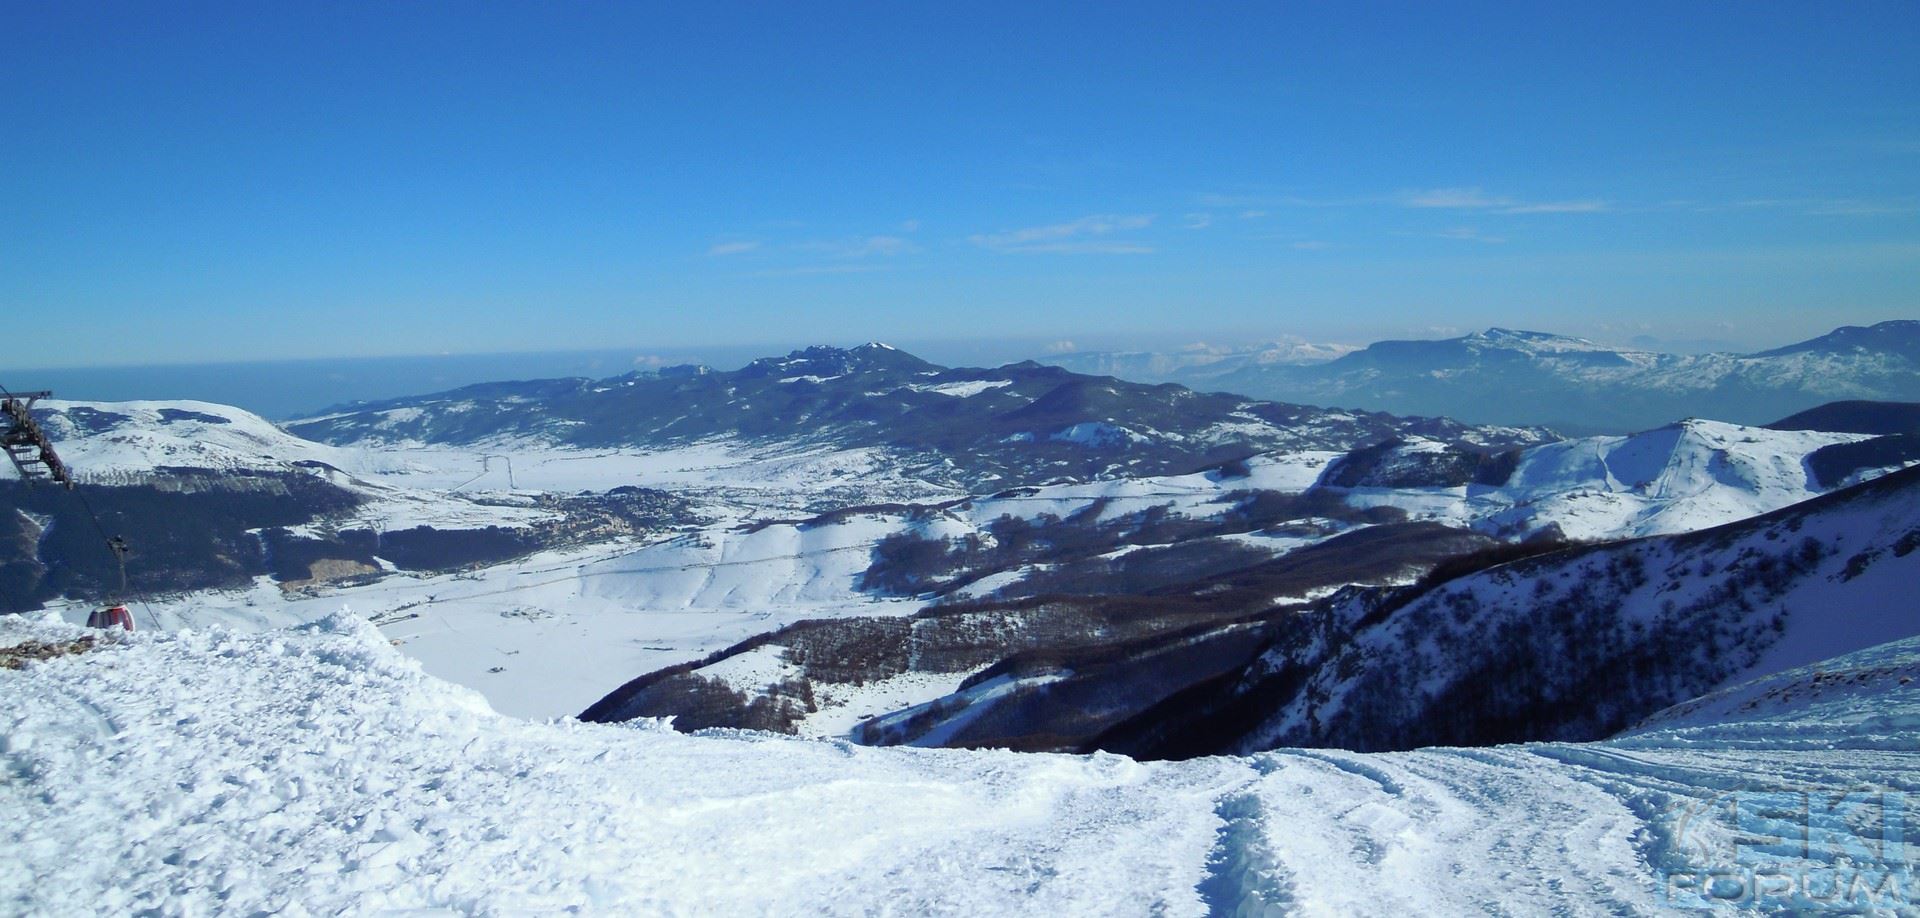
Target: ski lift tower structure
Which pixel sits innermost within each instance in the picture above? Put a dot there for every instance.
(26, 444)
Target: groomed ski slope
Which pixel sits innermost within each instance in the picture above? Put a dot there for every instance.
(318, 771)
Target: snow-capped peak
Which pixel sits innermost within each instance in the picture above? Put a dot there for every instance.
(1534, 342)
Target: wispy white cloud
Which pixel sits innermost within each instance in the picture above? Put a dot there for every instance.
(1257, 204)
(1090, 247)
(859, 247)
(1080, 236)
(1585, 206)
(1455, 198)
(1842, 207)
(839, 268)
(1812, 207)
(1479, 199)
(1198, 221)
(1469, 234)
(731, 248)
(1462, 197)
(1859, 208)
(1062, 347)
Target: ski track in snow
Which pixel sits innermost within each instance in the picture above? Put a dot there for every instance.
(317, 771)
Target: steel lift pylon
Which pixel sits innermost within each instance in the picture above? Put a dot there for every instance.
(26, 444)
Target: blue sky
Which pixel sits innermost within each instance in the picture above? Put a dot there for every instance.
(205, 182)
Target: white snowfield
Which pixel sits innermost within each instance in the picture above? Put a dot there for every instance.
(726, 479)
(1683, 477)
(549, 635)
(112, 442)
(318, 771)
(99, 438)
(772, 565)
(108, 443)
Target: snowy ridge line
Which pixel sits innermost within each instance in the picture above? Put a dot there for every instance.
(153, 770)
(1513, 376)
(1814, 580)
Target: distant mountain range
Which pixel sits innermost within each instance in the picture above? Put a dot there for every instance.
(1200, 361)
(1505, 376)
(1019, 424)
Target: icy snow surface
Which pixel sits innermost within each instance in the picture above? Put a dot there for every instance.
(316, 770)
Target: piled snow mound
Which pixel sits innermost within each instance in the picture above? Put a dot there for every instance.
(317, 771)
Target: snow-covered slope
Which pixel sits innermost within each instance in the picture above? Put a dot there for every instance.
(119, 442)
(103, 441)
(780, 564)
(316, 771)
(133, 443)
(1575, 643)
(1570, 644)
(1679, 478)
(1865, 699)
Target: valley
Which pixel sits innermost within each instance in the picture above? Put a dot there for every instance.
(830, 587)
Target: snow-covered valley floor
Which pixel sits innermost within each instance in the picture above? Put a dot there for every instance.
(543, 636)
(317, 770)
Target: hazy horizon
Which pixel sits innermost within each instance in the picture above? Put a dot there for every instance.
(295, 387)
